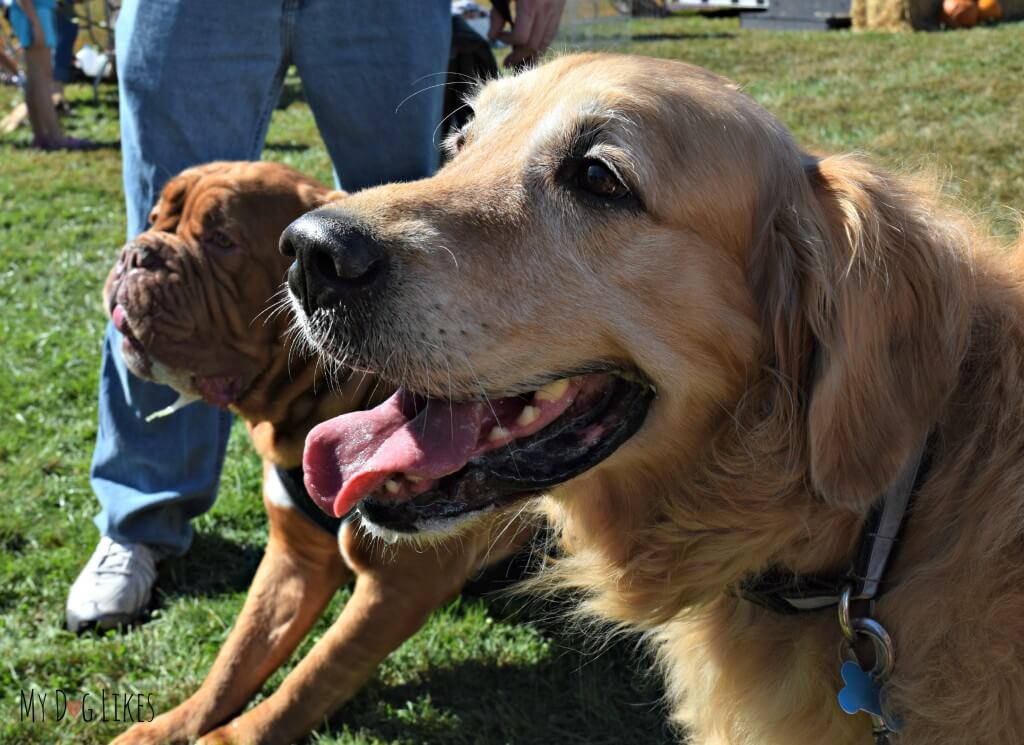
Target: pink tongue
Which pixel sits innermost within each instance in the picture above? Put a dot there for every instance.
(351, 456)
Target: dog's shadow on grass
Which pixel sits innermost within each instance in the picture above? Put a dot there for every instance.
(214, 565)
(93, 145)
(576, 695)
(712, 35)
(286, 147)
(571, 699)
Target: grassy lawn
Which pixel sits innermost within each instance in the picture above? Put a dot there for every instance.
(480, 672)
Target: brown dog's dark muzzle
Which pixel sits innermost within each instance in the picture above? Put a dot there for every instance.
(141, 255)
(337, 263)
(136, 255)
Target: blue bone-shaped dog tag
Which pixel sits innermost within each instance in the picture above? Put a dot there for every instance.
(862, 693)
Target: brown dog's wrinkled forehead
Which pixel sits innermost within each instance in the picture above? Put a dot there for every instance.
(214, 192)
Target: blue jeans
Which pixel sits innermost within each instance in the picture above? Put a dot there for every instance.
(198, 82)
(64, 51)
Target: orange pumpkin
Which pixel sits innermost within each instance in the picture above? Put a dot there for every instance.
(989, 10)
(959, 13)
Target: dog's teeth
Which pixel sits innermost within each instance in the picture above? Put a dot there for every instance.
(498, 433)
(413, 479)
(552, 391)
(392, 486)
(527, 416)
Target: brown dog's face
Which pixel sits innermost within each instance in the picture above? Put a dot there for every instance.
(186, 293)
(568, 296)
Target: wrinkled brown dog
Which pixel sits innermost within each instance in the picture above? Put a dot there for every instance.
(716, 353)
(191, 296)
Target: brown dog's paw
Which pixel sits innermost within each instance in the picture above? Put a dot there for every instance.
(175, 727)
(229, 734)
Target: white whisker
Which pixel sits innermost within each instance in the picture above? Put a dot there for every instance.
(472, 371)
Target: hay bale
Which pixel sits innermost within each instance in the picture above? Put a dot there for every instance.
(895, 15)
(859, 14)
(890, 15)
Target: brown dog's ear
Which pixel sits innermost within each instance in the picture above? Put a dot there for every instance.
(881, 296)
(314, 195)
(167, 210)
(332, 196)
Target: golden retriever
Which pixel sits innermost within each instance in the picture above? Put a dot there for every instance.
(632, 292)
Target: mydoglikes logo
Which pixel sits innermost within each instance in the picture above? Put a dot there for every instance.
(56, 705)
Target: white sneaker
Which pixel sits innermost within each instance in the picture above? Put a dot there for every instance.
(114, 586)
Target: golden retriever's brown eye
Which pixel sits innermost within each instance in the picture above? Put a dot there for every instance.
(597, 178)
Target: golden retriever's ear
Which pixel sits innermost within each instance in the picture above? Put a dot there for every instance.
(883, 291)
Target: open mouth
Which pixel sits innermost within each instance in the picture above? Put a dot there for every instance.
(414, 461)
(131, 348)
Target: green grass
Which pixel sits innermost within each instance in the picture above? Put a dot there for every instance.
(478, 673)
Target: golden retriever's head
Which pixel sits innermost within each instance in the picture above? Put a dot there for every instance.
(621, 255)
(186, 293)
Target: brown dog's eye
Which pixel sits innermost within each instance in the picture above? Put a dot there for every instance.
(597, 178)
(221, 240)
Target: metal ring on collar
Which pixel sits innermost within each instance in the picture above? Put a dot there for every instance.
(885, 653)
(844, 613)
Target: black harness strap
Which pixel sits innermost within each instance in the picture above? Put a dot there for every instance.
(293, 484)
(788, 593)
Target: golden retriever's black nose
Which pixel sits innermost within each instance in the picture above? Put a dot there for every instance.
(336, 262)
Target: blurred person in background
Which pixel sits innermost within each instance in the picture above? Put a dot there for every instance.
(64, 50)
(35, 23)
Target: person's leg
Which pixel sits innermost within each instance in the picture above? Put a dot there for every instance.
(373, 74)
(42, 115)
(189, 93)
(35, 29)
(152, 478)
(64, 51)
(198, 81)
